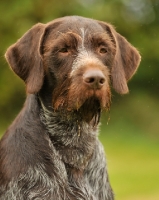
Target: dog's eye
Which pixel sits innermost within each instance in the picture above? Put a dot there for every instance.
(102, 50)
(64, 50)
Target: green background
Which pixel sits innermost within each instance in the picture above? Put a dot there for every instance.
(131, 138)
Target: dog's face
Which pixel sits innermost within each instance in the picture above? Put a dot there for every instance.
(78, 58)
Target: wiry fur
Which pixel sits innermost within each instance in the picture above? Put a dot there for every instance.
(51, 151)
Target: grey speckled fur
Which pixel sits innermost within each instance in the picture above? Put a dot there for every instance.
(95, 182)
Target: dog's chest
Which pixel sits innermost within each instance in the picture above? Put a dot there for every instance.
(72, 138)
(75, 146)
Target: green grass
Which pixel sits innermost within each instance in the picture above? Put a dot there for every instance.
(133, 167)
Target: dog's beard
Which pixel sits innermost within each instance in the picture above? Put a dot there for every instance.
(90, 110)
(90, 107)
(88, 103)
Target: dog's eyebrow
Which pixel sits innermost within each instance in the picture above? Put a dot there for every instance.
(70, 32)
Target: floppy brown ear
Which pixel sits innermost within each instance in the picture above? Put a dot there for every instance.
(25, 60)
(126, 62)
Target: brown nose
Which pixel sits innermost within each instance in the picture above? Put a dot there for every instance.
(94, 78)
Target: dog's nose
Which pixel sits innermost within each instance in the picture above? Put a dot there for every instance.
(94, 79)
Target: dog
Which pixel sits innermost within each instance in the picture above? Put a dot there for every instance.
(51, 150)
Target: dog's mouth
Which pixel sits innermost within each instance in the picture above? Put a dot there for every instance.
(88, 108)
(90, 100)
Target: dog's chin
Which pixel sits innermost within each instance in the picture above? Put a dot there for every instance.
(89, 109)
(94, 100)
(87, 106)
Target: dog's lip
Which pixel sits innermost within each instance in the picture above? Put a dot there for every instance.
(90, 102)
(90, 99)
(90, 111)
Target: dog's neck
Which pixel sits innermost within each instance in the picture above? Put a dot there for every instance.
(66, 118)
(67, 132)
(49, 117)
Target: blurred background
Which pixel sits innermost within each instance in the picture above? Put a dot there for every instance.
(131, 136)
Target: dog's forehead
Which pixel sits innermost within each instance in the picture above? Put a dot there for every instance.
(79, 25)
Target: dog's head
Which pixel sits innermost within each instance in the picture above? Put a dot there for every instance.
(77, 59)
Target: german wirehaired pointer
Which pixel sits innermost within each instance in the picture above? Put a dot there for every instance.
(51, 151)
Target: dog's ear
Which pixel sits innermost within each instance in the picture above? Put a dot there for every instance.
(126, 60)
(25, 59)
